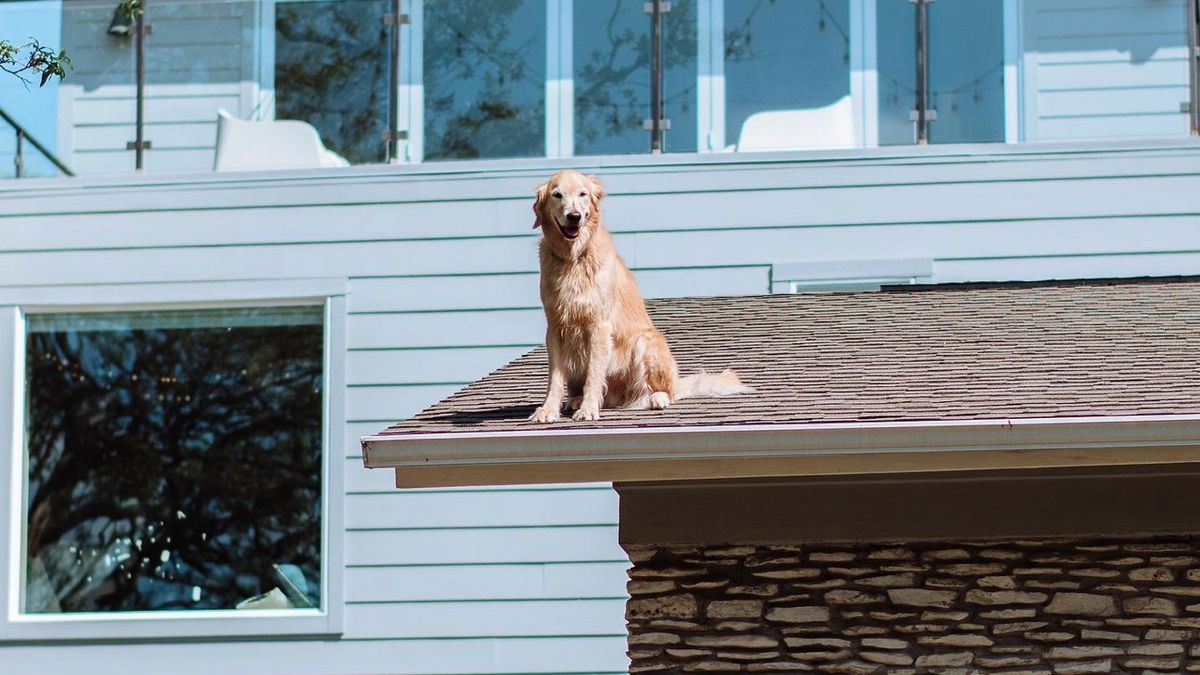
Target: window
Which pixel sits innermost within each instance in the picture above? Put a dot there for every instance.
(484, 78)
(174, 470)
(790, 60)
(331, 70)
(612, 57)
(174, 460)
(963, 45)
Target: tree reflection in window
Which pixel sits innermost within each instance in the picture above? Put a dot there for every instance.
(612, 76)
(174, 458)
(484, 78)
(331, 70)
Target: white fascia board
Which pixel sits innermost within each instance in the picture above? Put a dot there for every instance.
(606, 454)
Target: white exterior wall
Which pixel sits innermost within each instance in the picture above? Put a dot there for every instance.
(440, 266)
(1104, 69)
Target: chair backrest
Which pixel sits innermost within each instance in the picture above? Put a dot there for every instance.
(279, 144)
(831, 126)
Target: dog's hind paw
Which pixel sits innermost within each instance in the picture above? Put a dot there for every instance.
(544, 415)
(659, 400)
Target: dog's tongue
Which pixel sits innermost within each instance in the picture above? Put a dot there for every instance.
(571, 230)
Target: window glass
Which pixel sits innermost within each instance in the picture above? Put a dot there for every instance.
(331, 70)
(791, 57)
(966, 71)
(896, 65)
(484, 77)
(612, 76)
(174, 460)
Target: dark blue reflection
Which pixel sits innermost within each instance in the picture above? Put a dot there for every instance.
(331, 70)
(484, 78)
(172, 468)
(612, 76)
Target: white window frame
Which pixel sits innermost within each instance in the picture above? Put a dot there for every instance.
(16, 303)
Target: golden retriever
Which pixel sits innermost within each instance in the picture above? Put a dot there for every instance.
(604, 351)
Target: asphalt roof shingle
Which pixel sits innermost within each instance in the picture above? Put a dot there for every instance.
(950, 352)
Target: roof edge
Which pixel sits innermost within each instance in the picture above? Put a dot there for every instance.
(735, 451)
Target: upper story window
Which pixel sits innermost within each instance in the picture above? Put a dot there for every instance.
(174, 460)
(428, 80)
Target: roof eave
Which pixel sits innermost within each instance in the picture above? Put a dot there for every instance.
(763, 450)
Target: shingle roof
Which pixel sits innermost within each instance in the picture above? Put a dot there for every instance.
(949, 352)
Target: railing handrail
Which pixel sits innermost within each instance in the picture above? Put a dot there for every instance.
(23, 132)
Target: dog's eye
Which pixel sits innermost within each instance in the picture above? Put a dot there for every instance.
(582, 194)
(558, 195)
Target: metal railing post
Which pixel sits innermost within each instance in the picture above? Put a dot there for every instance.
(658, 122)
(18, 157)
(393, 135)
(1193, 19)
(140, 138)
(923, 114)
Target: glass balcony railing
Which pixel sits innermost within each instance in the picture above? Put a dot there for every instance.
(308, 83)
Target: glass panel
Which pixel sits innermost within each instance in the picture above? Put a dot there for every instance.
(966, 71)
(896, 64)
(331, 70)
(612, 76)
(33, 107)
(174, 460)
(789, 56)
(484, 78)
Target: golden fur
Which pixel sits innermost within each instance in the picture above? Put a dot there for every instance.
(604, 350)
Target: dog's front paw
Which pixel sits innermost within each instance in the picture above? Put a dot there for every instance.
(544, 415)
(659, 400)
(588, 412)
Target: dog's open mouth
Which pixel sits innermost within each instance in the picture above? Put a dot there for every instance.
(570, 230)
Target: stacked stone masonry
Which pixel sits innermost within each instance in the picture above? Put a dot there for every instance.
(1130, 606)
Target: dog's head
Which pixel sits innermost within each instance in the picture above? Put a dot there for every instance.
(567, 209)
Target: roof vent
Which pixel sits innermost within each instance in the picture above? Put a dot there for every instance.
(827, 276)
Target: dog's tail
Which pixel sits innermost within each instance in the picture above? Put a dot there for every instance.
(702, 384)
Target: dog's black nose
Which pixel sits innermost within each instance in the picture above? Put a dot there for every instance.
(574, 216)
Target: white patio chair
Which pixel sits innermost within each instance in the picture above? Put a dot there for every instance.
(279, 144)
(830, 126)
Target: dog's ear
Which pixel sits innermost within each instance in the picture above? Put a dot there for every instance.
(597, 188)
(538, 202)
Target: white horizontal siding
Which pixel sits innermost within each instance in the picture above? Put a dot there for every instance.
(440, 268)
(484, 545)
(478, 656)
(1105, 70)
(488, 508)
(471, 582)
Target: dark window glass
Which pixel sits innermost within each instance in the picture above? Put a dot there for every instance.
(484, 78)
(612, 76)
(789, 56)
(331, 70)
(174, 460)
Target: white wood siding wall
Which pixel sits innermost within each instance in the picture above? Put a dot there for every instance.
(1112, 69)
(440, 262)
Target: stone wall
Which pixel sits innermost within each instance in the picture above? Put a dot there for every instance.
(1010, 607)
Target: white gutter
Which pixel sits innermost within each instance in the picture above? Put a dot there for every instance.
(725, 451)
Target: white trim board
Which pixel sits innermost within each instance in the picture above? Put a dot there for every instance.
(746, 450)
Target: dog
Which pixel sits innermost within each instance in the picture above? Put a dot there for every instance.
(604, 350)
